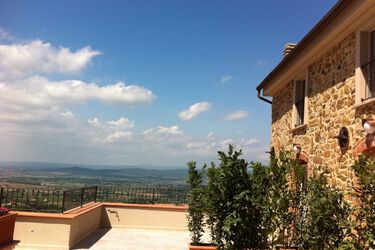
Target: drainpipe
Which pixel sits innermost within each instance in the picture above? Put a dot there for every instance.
(262, 98)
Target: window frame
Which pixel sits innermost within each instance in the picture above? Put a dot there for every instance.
(295, 116)
(364, 57)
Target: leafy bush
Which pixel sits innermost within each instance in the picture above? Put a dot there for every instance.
(364, 169)
(236, 217)
(252, 206)
(327, 221)
(196, 203)
(277, 190)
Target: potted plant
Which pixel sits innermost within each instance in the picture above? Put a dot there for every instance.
(226, 201)
(196, 210)
(7, 222)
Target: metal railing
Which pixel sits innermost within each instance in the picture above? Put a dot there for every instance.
(369, 74)
(143, 194)
(57, 201)
(26, 199)
(78, 197)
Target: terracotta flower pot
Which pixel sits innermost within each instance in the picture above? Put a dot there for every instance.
(202, 247)
(7, 223)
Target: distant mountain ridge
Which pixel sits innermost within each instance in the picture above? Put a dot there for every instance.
(41, 165)
(77, 175)
(126, 172)
(85, 170)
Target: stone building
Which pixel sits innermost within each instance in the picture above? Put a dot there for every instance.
(323, 90)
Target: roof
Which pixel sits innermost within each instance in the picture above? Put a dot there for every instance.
(313, 34)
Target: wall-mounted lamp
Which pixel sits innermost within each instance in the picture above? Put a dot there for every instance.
(296, 148)
(368, 126)
(271, 152)
(343, 137)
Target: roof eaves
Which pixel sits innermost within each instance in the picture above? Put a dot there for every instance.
(310, 36)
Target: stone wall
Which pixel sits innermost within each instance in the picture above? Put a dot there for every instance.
(331, 97)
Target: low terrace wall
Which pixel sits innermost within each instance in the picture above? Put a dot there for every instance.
(44, 231)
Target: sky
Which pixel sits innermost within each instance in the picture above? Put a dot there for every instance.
(156, 83)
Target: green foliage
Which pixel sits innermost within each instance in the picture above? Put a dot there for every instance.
(196, 203)
(236, 217)
(272, 194)
(327, 221)
(214, 206)
(364, 169)
(251, 206)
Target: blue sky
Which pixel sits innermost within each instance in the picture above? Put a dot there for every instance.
(141, 82)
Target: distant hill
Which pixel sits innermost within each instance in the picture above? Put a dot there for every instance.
(126, 172)
(73, 175)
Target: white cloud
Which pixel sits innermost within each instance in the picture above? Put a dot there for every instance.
(120, 136)
(252, 141)
(36, 120)
(175, 130)
(5, 35)
(194, 110)
(226, 78)
(67, 114)
(236, 115)
(152, 132)
(210, 145)
(40, 91)
(94, 122)
(122, 123)
(22, 59)
(210, 135)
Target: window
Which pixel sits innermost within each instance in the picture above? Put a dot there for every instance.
(365, 75)
(369, 68)
(299, 102)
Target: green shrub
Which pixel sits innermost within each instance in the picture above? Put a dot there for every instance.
(327, 221)
(196, 203)
(364, 169)
(237, 216)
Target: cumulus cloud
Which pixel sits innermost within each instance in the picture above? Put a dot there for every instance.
(67, 114)
(194, 110)
(161, 130)
(252, 141)
(40, 91)
(120, 136)
(5, 35)
(22, 59)
(236, 115)
(36, 114)
(209, 146)
(94, 122)
(226, 78)
(122, 123)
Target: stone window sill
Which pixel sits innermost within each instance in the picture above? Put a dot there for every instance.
(364, 103)
(299, 127)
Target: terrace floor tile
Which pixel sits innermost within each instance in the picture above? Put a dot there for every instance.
(135, 239)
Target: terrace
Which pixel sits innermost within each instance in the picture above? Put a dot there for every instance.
(104, 226)
(100, 225)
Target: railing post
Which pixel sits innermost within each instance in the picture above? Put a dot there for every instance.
(63, 203)
(96, 193)
(82, 194)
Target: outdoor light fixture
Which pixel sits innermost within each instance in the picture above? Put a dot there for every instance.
(343, 137)
(271, 152)
(368, 126)
(296, 148)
